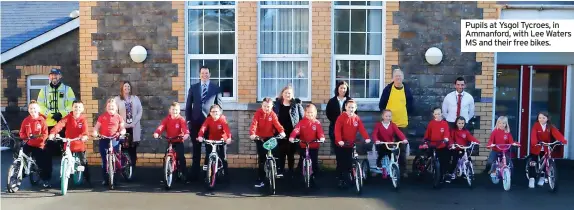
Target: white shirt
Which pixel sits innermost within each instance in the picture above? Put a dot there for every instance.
(386, 125)
(466, 106)
(543, 127)
(341, 102)
(206, 85)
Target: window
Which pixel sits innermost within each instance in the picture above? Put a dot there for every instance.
(211, 42)
(283, 48)
(358, 51)
(34, 85)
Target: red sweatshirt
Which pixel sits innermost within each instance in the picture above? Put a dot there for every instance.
(173, 127)
(462, 137)
(380, 133)
(499, 136)
(436, 132)
(217, 129)
(346, 129)
(264, 124)
(110, 124)
(539, 135)
(308, 130)
(35, 127)
(74, 128)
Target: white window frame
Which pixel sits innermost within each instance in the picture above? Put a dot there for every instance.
(380, 58)
(285, 57)
(30, 87)
(189, 57)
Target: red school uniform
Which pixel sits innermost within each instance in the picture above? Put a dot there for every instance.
(499, 136)
(218, 129)
(264, 124)
(462, 137)
(436, 132)
(36, 127)
(380, 133)
(346, 128)
(543, 135)
(110, 124)
(74, 128)
(308, 130)
(173, 127)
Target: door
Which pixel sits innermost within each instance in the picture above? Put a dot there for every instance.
(522, 91)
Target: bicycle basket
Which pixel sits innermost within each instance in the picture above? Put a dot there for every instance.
(270, 144)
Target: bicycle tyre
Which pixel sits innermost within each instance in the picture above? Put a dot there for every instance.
(14, 177)
(307, 173)
(34, 175)
(527, 167)
(366, 170)
(469, 173)
(358, 176)
(395, 176)
(418, 167)
(168, 172)
(111, 170)
(436, 175)
(271, 174)
(552, 175)
(127, 168)
(506, 178)
(64, 175)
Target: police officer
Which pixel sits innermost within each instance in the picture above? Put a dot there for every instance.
(55, 101)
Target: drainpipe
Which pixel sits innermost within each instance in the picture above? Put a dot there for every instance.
(538, 7)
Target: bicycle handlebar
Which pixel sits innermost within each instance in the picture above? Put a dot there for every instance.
(314, 141)
(58, 138)
(504, 147)
(31, 137)
(214, 142)
(257, 138)
(170, 139)
(549, 144)
(465, 147)
(395, 147)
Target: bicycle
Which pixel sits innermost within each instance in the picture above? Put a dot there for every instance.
(464, 166)
(270, 163)
(215, 165)
(112, 164)
(426, 163)
(390, 166)
(307, 169)
(547, 163)
(8, 137)
(23, 165)
(357, 174)
(502, 169)
(170, 163)
(71, 165)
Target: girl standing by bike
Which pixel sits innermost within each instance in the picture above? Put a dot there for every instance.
(218, 129)
(309, 129)
(110, 124)
(346, 128)
(460, 136)
(438, 135)
(35, 125)
(290, 112)
(542, 131)
(386, 131)
(500, 135)
(174, 125)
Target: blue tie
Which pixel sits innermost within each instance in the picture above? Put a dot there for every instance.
(203, 92)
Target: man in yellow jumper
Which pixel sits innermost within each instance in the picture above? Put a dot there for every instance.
(398, 98)
(55, 100)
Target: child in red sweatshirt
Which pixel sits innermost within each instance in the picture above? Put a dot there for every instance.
(542, 131)
(176, 131)
(264, 125)
(500, 135)
(76, 127)
(34, 127)
(346, 128)
(387, 131)
(218, 129)
(309, 129)
(460, 136)
(109, 124)
(437, 134)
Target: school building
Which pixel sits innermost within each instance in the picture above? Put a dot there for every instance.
(255, 48)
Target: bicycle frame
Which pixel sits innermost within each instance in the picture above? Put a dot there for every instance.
(547, 156)
(213, 154)
(307, 156)
(68, 155)
(395, 151)
(502, 162)
(461, 162)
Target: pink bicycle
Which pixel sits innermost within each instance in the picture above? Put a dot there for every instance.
(502, 167)
(546, 167)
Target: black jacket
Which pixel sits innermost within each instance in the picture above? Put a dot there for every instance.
(297, 111)
(333, 110)
(387, 93)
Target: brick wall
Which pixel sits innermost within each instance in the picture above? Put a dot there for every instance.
(247, 51)
(321, 51)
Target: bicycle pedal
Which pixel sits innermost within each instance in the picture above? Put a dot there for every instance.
(80, 168)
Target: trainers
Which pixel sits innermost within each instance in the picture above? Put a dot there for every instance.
(46, 185)
(279, 175)
(447, 178)
(260, 185)
(541, 181)
(453, 176)
(531, 183)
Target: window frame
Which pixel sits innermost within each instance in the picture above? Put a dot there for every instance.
(189, 57)
(380, 58)
(285, 57)
(29, 86)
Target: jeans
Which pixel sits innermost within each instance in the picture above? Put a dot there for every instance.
(493, 156)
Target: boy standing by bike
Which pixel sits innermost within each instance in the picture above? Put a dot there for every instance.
(460, 136)
(264, 125)
(346, 128)
(76, 126)
(437, 134)
(309, 129)
(386, 131)
(216, 125)
(109, 124)
(176, 131)
(35, 126)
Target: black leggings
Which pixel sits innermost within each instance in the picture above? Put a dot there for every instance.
(314, 155)
(288, 149)
(131, 146)
(84, 161)
(532, 169)
(344, 162)
(444, 157)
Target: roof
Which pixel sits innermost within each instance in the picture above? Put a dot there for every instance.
(23, 21)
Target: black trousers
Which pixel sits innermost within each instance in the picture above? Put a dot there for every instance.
(131, 146)
(262, 157)
(535, 159)
(43, 160)
(313, 154)
(286, 150)
(444, 159)
(178, 147)
(344, 162)
(84, 161)
(196, 150)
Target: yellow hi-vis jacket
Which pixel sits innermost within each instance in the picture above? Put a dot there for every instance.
(52, 100)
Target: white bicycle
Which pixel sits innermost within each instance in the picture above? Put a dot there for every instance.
(464, 167)
(390, 167)
(71, 165)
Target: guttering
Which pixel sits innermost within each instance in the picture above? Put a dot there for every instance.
(538, 7)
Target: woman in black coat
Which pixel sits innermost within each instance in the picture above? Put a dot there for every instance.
(335, 107)
(290, 111)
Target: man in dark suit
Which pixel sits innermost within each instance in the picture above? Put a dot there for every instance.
(200, 97)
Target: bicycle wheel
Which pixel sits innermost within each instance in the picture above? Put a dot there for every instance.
(436, 176)
(366, 170)
(307, 173)
(167, 172)
(271, 174)
(127, 168)
(34, 175)
(527, 167)
(552, 174)
(395, 173)
(358, 176)
(506, 178)
(469, 173)
(64, 175)
(211, 174)
(418, 167)
(14, 177)
(111, 170)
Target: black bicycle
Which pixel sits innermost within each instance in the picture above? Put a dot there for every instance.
(427, 163)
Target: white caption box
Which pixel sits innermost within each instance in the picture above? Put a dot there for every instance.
(517, 35)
